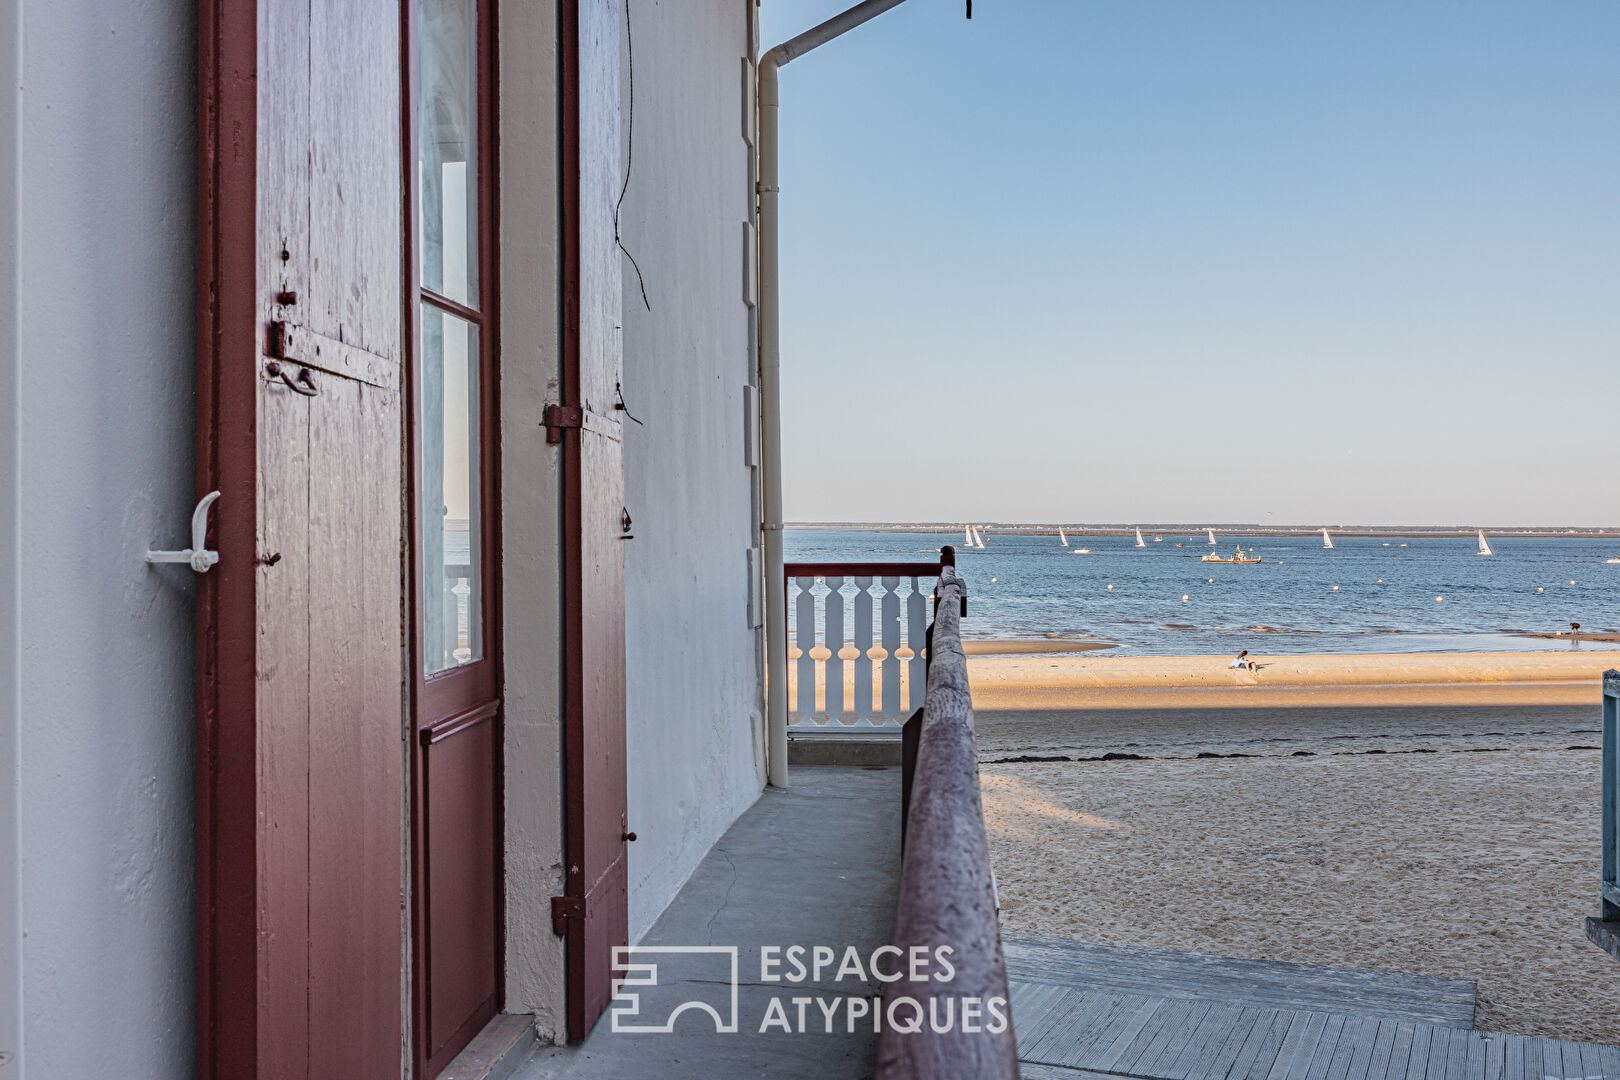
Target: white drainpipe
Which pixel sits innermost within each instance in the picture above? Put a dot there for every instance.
(770, 368)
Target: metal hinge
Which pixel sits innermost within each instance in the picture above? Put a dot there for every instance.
(564, 908)
(561, 417)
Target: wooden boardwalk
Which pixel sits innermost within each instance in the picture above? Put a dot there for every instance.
(1082, 1009)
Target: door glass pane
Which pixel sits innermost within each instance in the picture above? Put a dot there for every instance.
(452, 601)
(448, 158)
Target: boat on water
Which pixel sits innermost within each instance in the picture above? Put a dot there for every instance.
(1087, 551)
(978, 541)
(1484, 548)
(1239, 557)
(1211, 537)
(1327, 541)
(967, 535)
(1139, 541)
(1614, 560)
(1062, 537)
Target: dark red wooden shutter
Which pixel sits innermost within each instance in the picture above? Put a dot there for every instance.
(595, 914)
(300, 752)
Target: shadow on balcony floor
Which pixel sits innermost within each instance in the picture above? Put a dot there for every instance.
(816, 865)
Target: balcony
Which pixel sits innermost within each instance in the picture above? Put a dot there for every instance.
(838, 868)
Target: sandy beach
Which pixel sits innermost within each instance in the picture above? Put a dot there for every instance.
(1428, 813)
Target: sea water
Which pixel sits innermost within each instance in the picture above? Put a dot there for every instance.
(1030, 587)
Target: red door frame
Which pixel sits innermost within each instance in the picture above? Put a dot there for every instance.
(227, 617)
(455, 701)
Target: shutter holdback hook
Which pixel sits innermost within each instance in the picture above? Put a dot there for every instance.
(198, 556)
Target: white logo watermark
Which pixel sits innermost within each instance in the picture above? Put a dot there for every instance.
(827, 990)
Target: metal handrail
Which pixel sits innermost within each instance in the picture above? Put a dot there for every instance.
(947, 895)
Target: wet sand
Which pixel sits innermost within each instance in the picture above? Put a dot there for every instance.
(1027, 646)
(1437, 814)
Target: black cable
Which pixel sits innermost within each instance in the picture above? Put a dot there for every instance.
(629, 153)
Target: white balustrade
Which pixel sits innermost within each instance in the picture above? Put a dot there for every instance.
(852, 677)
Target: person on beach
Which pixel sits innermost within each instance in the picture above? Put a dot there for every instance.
(1242, 661)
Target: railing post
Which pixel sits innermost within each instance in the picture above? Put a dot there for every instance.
(1611, 795)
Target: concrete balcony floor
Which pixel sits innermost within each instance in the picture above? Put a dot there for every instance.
(817, 864)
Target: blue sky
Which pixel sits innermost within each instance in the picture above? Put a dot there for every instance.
(1224, 261)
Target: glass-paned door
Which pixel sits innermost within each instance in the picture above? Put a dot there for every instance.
(456, 845)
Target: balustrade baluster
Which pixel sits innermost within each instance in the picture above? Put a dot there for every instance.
(863, 645)
(834, 620)
(891, 645)
(804, 605)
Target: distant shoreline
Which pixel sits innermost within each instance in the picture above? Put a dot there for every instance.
(1078, 683)
(1197, 532)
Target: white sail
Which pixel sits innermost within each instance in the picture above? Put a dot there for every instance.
(1062, 537)
(1327, 541)
(967, 535)
(1484, 548)
(1139, 541)
(1211, 537)
(978, 541)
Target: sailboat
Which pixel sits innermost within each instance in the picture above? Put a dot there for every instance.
(1211, 537)
(1062, 537)
(1327, 541)
(967, 535)
(1484, 548)
(978, 541)
(1139, 541)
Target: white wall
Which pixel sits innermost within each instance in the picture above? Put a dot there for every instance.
(693, 693)
(10, 639)
(106, 381)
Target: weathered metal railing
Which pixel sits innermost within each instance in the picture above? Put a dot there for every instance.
(1611, 795)
(950, 1019)
(856, 667)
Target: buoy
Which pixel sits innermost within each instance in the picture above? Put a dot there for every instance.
(1439, 599)
(1212, 581)
(1572, 583)
(1540, 589)
(992, 581)
(1335, 588)
(1184, 598)
(1380, 581)
(1110, 588)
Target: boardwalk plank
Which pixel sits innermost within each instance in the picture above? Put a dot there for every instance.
(1122, 1042)
(1366, 1043)
(1259, 1049)
(1160, 1064)
(1400, 1052)
(1417, 1064)
(1239, 982)
(1165, 1023)
(1513, 1057)
(1205, 1042)
(1495, 1057)
(1066, 1045)
(1349, 1038)
(1217, 1063)
(1326, 1045)
(1459, 1055)
(1299, 1026)
(1055, 1014)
